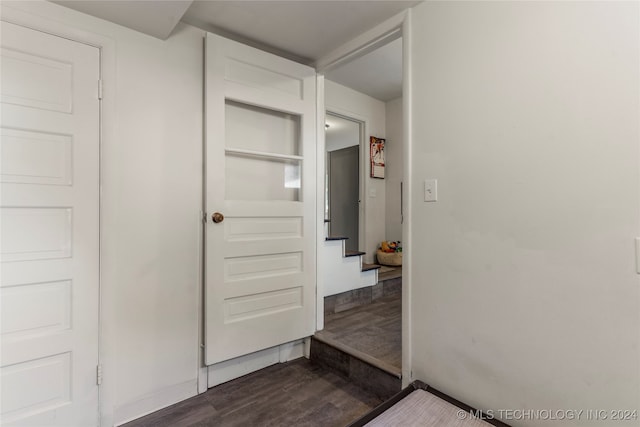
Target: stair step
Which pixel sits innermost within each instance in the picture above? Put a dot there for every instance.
(335, 238)
(353, 253)
(365, 371)
(367, 267)
(396, 272)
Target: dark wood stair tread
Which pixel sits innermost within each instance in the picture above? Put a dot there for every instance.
(326, 338)
(367, 267)
(335, 238)
(353, 253)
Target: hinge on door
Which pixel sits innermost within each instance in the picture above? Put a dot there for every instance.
(99, 374)
(100, 89)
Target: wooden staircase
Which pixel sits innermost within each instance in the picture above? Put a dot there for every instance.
(345, 270)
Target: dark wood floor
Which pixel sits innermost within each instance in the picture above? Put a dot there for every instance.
(297, 393)
(374, 329)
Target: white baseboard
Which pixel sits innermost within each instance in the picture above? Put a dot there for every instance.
(155, 401)
(235, 368)
(217, 374)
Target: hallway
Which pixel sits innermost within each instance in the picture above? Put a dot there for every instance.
(374, 330)
(297, 393)
(301, 392)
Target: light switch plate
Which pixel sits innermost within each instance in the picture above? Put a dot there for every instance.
(431, 190)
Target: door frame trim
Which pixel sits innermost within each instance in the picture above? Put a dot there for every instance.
(370, 40)
(363, 124)
(389, 30)
(28, 15)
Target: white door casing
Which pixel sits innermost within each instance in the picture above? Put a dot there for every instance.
(49, 244)
(260, 269)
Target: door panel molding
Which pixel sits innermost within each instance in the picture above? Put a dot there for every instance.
(260, 261)
(51, 236)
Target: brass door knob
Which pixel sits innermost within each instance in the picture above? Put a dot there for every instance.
(217, 217)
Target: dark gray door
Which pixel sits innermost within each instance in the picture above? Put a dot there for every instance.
(344, 186)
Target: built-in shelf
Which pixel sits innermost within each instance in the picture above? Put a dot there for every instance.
(253, 153)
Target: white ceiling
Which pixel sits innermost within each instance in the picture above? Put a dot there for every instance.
(378, 74)
(302, 30)
(155, 18)
(305, 29)
(340, 133)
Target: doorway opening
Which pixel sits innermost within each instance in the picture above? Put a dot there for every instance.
(342, 178)
(363, 297)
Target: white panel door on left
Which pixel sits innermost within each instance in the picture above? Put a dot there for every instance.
(49, 229)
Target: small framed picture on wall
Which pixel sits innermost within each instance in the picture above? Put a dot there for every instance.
(376, 152)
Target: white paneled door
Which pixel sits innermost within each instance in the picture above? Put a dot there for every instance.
(49, 226)
(260, 200)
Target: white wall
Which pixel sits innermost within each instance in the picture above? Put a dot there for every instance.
(152, 217)
(393, 170)
(524, 291)
(348, 102)
(151, 183)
